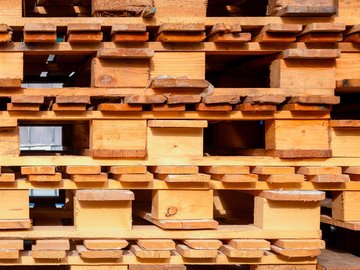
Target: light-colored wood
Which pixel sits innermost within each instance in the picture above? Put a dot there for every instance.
(98, 254)
(190, 64)
(344, 142)
(119, 73)
(241, 253)
(134, 177)
(187, 252)
(296, 253)
(52, 244)
(44, 177)
(173, 8)
(180, 178)
(249, 244)
(346, 206)
(286, 214)
(16, 244)
(292, 195)
(177, 124)
(14, 209)
(302, 8)
(83, 169)
(104, 195)
(203, 244)
(174, 142)
(103, 244)
(110, 7)
(13, 69)
(129, 135)
(319, 170)
(48, 254)
(314, 73)
(297, 135)
(130, 169)
(84, 178)
(174, 169)
(350, 225)
(149, 253)
(170, 204)
(300, 243)
(38, 170)
(273, 170)
(235, 178)
(226, 169)
(347, 66)
(156, 244)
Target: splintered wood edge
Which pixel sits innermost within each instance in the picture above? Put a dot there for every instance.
(310, 54)
(104, 195)
(291, 195)
(136, 53)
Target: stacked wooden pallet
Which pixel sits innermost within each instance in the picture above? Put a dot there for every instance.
(193, 133)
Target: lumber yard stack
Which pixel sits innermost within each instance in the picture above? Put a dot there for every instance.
(194, 134)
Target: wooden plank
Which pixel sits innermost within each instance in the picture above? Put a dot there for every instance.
(296, 253)
(125, 53)
(300, 243)
(168, 107)
(104, 195)
(282, 28)
(249, 244)
(134, 177)
(345, 206)
(235, 178)
(105, 244)
(292, 195)
(48, 254)
(78, 99)
(328, 178)
(14, 244)
(84, 27)
(131, 169)
(319, 170)
(224, 169)
(179, 83)
(98, 254)
(68, 108)
(181, 37)
(38, 170)
(179, 27)
(52, 244)
(11, 74)
(230, 37)
(353, 225)
(321, 38)
(313, 99)
(39, 27)
(185, 99)
(34, 99)
(119, 37)
(89, 178)
(150, 254)
(108, 7)
(83, 169)
(310, 54)
(119, 107)
(213, 107)
(273, 170)
(337, 260)
(156, 244)
(22, 107)
(174, 169)
(177, 124)
(187, 252)
(203, 244)
(15, 224)
(149, 266)
(145, 99)
(217, 99)
(303, 8)
(7, 177)
(188, 8)
(132, 27)
(57, 177)
(324, 28)
(231, 252)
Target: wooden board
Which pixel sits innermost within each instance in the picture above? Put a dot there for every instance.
(14, 209)
(11, 74)
(346, 206)
(203, 244)
(150, 254)
(98, 254)
(188, 252)
(156, 244)
(104, 244)
(241, 253)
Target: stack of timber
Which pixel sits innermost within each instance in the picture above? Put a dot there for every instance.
(194, 133)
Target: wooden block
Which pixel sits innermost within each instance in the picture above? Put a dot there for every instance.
(83, 27)
(83, 169)
(286, 214)
(225, 169)
(314, 99)
(11, 74)
(162, 266)
(68, 108)
(107, 153)
(38, 170)
(351, 170)
(249, 244)
(130, 37)
(187, 252)
(230, 37)
(22, 107)
(105, 244)
(173, 8)
(131, 169)
(180, 27)
(246, 107)
(11, 244)
(9, 142)
(321, 38)
(235, 178)
(120, 73)
(296, 253)
(282, 28)
(203, 244)
(284, 267)
(265, 99)
(78, 99)
(297, 135)
(324, 28)
(218, 99)
(189, 169)
(9, 254)
(48, 254)
(156, 244)
(44, 177)
(8, 123)
(52, 244)
(149, 254)
(347, 67)
(131, 27)
(177, 124)
(15, 224)
(328, 178)
(269, 37)
(318, 74)
(84, 178)
(170, 204)
(27, 99)
(85, 37)
(98, 254)
(305, 108)
(179, 83)
(39, 37)
(134, 177)
(300, 243)
(161, 142)
(345, 206)
(99, 267)
(282, 178)
(231, 252)
(130, 135)
(104, 195)
(39, 27)
(114, 107)
(191, 64)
